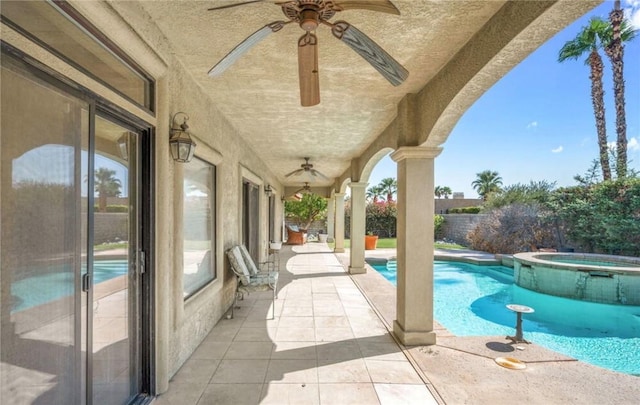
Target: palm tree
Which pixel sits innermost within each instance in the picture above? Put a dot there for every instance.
(446, 192)
(374, 193)
(590, 40)
(438, 191)
(487, 182)
(107, 185)
(389, 186)
(620, 31)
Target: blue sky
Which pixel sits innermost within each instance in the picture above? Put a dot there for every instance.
(537, 122)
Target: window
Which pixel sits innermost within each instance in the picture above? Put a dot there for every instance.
(199, 225)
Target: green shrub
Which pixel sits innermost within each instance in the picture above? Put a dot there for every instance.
(113, 208)
(465, 210)
(601, 218)
(438, 224)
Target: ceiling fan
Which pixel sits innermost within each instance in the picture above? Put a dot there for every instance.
(309, 14)
(307, 167)
(306, 189)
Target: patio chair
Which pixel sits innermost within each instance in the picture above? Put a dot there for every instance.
(295, 236)
(250, 279)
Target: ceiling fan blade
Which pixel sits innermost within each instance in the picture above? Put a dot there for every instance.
(234, 5)
(244, 46)
(381, 6)
(297, 171)
(308, 70)
(364, 46)
(317, 173)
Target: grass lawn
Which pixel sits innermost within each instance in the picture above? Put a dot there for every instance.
(391, 243)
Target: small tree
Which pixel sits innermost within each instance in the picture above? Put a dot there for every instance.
(310, 208)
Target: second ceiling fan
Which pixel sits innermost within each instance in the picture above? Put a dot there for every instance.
(309, 14)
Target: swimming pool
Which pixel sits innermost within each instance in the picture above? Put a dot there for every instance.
(470, 300)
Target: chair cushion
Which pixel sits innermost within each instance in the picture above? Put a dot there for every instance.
(270, 278)
(248, 261)
(238, 265)
(294, 228)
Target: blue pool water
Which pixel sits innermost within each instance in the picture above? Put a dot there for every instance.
(470, 301)
(58, 282)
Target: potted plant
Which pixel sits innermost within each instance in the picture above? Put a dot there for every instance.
(370, 241)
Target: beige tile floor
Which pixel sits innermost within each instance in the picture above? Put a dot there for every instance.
(326, 345)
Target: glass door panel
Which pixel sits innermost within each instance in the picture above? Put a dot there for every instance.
(44, 134)
(115, 299)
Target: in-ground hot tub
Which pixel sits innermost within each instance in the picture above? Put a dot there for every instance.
(590, 277)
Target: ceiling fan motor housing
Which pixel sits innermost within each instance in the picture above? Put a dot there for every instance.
(308, 13)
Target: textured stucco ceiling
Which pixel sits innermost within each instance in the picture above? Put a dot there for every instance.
(259, 94)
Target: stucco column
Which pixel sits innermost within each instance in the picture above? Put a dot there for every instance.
(331, 217)
(414, 323)
(339, 248)
(358, 222)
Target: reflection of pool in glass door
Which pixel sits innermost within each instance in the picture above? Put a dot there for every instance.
(115, 301)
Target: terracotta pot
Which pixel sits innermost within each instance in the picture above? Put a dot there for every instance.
(370, 242)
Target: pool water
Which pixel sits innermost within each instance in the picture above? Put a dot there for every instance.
(58, 282)
(470, 300)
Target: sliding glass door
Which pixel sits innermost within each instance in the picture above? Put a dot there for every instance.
(70, 247)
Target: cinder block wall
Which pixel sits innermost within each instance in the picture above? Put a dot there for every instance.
(456, 226)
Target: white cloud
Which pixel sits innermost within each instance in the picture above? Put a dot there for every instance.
(632, 12)
(632, 145)
(532, 125)
(557, 150)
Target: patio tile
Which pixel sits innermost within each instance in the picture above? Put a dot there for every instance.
(296, 322)
(326, 297)
(373, 350)
(328, 310)
(261, 323)
(347, 350)
(222, 333)
(196, 370)
(255, 335)
(292, 310)
(348, 394)
(333, 334)
(397, 394)
(249, 350)
(237, 394)
(294, 394)
(332, 322)
(294, 351)
(240, 371)
(182, 393)
(211, 350)
(337, 371)
(295, 335)
(292, 371)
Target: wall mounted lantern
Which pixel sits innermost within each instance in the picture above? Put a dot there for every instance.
(268, 190)
(181, 145)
